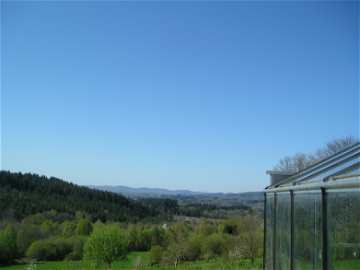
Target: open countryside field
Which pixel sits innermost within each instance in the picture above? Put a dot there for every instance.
(142, 264)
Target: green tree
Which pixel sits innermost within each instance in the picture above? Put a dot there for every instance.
(194, 248)
(69, 228)
(97, 225)
(78, 216)
(155, 254)
(176, 243)
(38, 219)
(106, 244)
(83, 227)
(133, 237)
(145, 240)
(50, 227)
(157, 235)
(54, 212)
(8, 248)
(27, 234)
(204, 228)
(229, 226)
(251, 236)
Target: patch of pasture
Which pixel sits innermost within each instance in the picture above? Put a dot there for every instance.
(138, 260)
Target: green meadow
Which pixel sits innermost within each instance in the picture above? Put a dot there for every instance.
(135, 263)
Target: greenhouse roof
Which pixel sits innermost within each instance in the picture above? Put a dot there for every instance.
(346, 162)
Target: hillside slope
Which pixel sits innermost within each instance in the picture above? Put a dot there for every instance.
(25, 194)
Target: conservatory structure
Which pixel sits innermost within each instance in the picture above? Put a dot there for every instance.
(312, 218)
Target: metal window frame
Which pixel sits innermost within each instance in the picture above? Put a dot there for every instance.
(338, 183)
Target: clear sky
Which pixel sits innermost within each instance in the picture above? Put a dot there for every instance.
(204, 96)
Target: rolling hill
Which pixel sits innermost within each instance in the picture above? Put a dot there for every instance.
(150, 191)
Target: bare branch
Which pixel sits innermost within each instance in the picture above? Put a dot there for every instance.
(335, 146)
(302, 161)
(285, 164)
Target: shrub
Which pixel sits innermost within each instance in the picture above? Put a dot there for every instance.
(193, 249)
(62, 247)
(155, 254)
(212, 245)
(73, 256)
(51, 249)
(41, 250)
(77, 244)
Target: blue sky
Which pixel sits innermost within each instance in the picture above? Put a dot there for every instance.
(204, 96)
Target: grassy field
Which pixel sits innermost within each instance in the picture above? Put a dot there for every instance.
(219, 264)
(130, 264)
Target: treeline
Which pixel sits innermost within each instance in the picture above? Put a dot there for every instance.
(27, 194)
(253, 199)
(164, 206)
(207, 210)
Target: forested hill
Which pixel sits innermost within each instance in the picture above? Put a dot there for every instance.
(25, 194)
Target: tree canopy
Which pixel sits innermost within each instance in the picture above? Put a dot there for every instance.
(106, 244)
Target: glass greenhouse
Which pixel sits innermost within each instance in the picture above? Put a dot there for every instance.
(312, 218)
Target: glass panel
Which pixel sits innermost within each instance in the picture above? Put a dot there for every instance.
(355, 170)
(283, 231)
(344, 230)
(337, 169)
(269, 233)
(330, 171)
(308, 231)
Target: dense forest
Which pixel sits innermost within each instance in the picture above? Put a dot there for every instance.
(26, 194)
(207, 210)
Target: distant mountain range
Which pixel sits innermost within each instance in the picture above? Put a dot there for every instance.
(153, 191)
